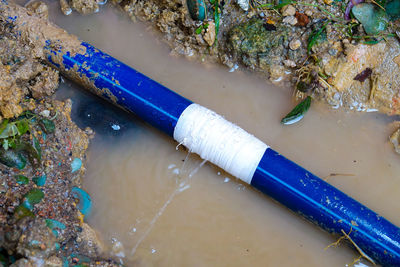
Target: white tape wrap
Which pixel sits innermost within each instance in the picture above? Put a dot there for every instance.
(219, 141)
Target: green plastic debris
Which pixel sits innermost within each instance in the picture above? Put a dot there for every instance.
(373, 18)
(12, 159)
(84, 200)
(40, 180)
(393, 9)
(197, 9)
(47, 125)
(76, 164)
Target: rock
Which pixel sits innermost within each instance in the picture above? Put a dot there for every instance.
(288, 10)
(309, 12)
(65, 8)
(197, 9)
(289, 63)
(209, 35)
(291, 20)
(295, 44)
(40, 8)
(45, 113)
(244, 4)
(302, 19)
(89, 242)
(254, 46)
(53, 261)
(85, 6)
(22, 263)
(373, 18)
(38, 242)
(395, 140)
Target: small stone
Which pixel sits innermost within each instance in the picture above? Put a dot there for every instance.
(45, 113)
(302, 19)
(209, 35)
(289, 63)
(308, 12)
(397, 60)
(40, 8)
(291, 20)
(295, 44)
(54, 261)
(288, 10)
(65, 8)
(395, 140)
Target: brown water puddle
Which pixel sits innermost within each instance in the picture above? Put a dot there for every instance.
(146, 204)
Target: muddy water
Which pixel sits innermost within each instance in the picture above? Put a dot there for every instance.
(155, 209)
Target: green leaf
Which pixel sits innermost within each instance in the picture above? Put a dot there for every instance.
(216, 19)
(3, 125)
(22, 126)
(32, 198)
(36, 146)
(22, 179)
(315, 37)
(199, 29)
(47, 125)
(9, 131)
(30, 151)
(298, 112)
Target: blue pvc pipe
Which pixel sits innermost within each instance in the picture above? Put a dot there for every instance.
(276, 176)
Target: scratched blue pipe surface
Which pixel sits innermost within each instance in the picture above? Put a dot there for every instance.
(275, 176)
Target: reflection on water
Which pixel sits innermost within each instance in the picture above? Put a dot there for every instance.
(94, 112)
(150, 210)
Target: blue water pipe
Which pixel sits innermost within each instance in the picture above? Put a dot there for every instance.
(276, 176)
